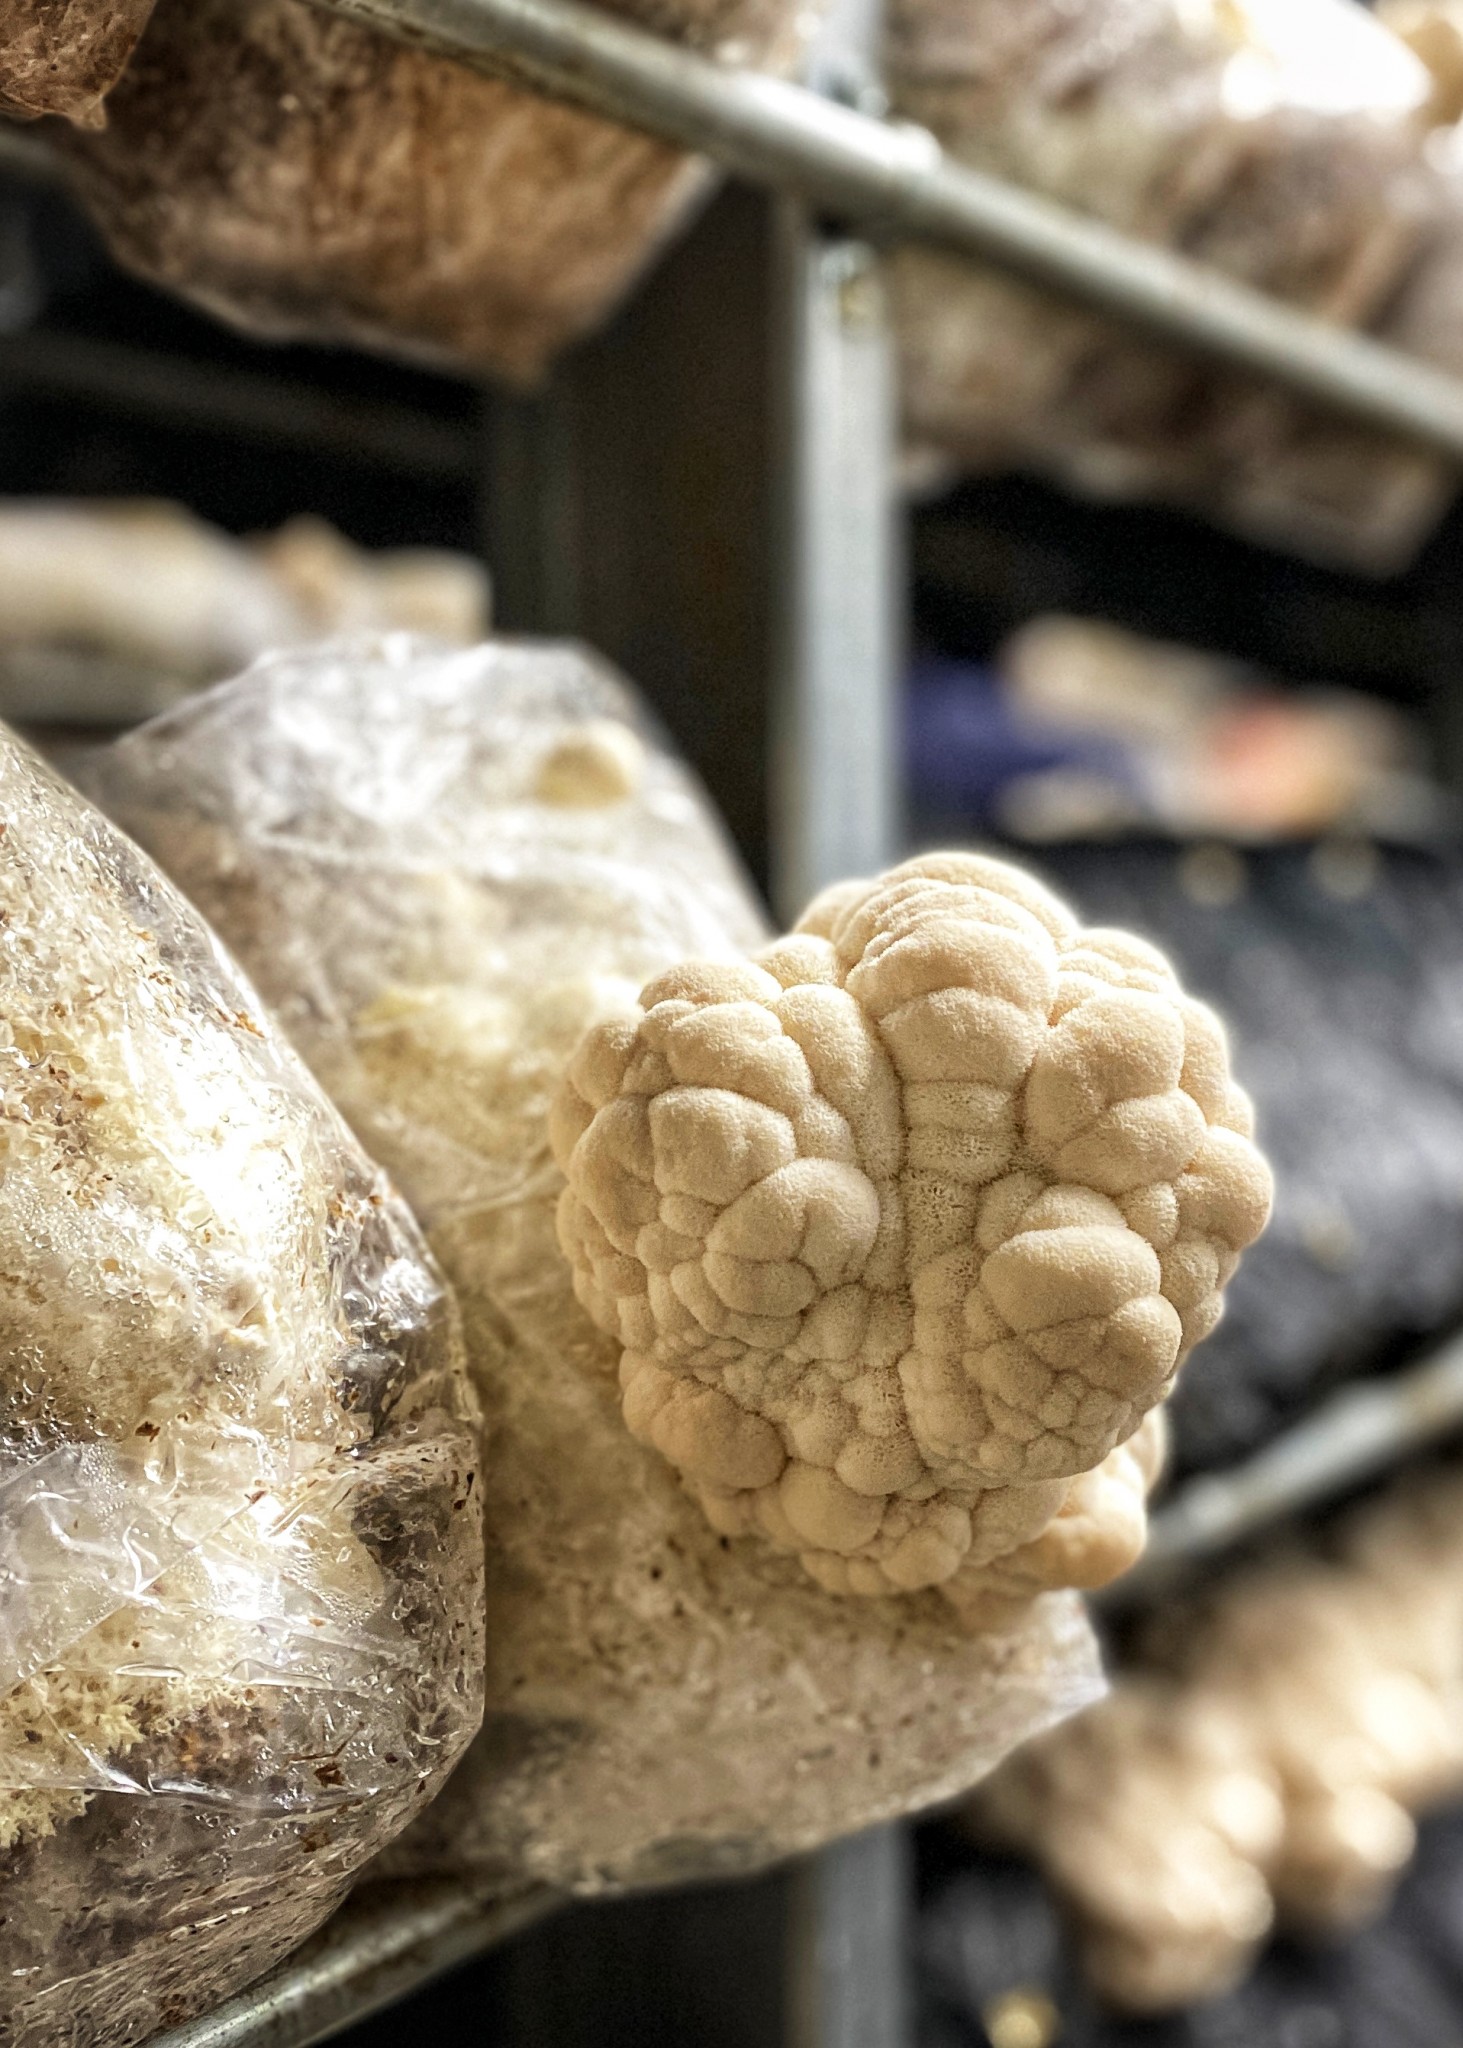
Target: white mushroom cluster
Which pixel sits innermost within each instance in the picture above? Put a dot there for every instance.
(904, 1227)
(1262, 1760)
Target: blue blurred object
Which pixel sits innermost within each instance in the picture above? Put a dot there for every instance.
(965, 745)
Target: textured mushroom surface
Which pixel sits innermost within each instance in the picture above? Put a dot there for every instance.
(1260, 1761)
(909, 1222)
(443, 869)
(64, 56)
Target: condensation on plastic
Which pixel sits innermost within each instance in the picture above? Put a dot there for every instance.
(366, 825)
(1280, 141)
(440, 867)
(240, 1549)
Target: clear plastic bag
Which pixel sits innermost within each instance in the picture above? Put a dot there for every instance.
(240, 1560)
(442, 867)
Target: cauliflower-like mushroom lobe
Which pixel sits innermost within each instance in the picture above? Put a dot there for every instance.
(907, 1223)
(1260, 1760)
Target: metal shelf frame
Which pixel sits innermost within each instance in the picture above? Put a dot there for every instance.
(850, 181)
(384, 1943)
(892, 181)
(1357, 1435)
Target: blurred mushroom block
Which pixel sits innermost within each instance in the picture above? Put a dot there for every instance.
(306, 177)
(64, 56)
(111, 608)
(1433, 30)
(1265, 1758)
(1281, 141)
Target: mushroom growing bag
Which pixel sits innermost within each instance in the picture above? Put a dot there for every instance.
(64, 56)
(308, 178)
(240, 1559)
(443, 868)
(1279, 141)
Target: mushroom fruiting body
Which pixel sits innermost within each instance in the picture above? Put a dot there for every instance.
(904, 1226)
(1260, 1759)
(443, 869)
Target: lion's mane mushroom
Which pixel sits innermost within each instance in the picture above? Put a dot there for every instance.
(906, 1225)
(663, 1704)
(1260, 1758)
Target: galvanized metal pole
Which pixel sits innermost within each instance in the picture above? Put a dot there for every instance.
(381, 1945)
(835, 814)
(835, 796)
(849, 1929)
(1356, 1435)
(893, 180)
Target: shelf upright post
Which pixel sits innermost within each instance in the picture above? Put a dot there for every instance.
(839, 602)
(840, 569)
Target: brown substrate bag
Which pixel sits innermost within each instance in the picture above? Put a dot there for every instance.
(444, 866)
(304, 177)
(64, 56)
(1348, 494)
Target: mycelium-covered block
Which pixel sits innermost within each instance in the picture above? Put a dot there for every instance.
(64, 56)
(462, 879)
(304, 176)
(1278, 141)
(240, 1550)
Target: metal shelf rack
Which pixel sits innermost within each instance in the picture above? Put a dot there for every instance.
(849, 179)
(385, 1942)
(893, 181)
